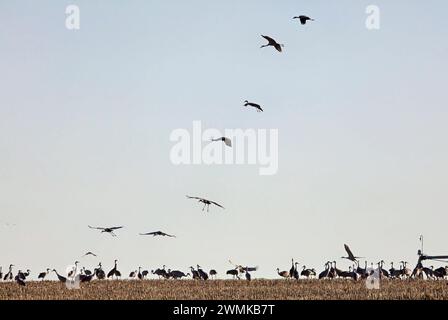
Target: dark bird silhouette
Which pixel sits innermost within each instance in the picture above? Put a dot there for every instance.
(114, 271)
(107, 230)
(176, 274)
(273, 43)
(202, 274)
(8, 275)
(227, 141)
(86, 277)
(295, 274)
(234, 273)
(308, 272)
(291, 271)
(90, 253)
(20, 279)
(23, 275)
(160, 272)
(325, 274)
(157, 233)
(350, 257)
(139, 274)
(253, 105)
(303, 19)
(248, 276)
(195, 274)
(1, 273)
(42, 275)
(99, 272)
(86, 271)
(213, 273)
(206, 202)
(60, 278)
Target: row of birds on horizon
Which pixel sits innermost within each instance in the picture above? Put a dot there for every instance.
(330, 272)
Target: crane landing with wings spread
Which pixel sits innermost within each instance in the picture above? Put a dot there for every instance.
(351, 256)
(107, 230)
(157, 233)
(206, 203)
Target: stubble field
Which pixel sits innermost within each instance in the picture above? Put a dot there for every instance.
(227, 290)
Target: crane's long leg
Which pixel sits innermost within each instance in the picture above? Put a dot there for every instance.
(203, 208)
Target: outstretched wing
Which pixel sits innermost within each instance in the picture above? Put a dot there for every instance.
(235, 265)
(168, 235)
(90, 254)
(217, 204)
(251, 268)
(269, 39)
(349, 252)
(255, 105)
(197, 198)
(148, 234)
(116, 228)
(98, 228)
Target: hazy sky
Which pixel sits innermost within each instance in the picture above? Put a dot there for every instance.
(85, 120)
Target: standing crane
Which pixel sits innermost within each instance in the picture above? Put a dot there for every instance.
(99, 272)
(8, 276)
(60, 278)
(114, 271)
(20, 279)
(283, 274)
(42, 275)
(248, 276)
(202, 274)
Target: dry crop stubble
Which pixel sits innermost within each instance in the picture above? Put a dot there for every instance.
(227, 289)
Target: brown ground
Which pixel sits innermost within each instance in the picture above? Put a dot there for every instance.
(228, 289)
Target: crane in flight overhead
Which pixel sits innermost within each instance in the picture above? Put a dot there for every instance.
(303, 19)
(107, 230)
(350, 257)
(227, 141)
(206, 202)
(253, 105)
(272, 43)
(158, 233)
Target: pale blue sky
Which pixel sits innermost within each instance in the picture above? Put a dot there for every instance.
(85, 119)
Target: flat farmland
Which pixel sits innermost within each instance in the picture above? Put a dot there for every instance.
(227, 290)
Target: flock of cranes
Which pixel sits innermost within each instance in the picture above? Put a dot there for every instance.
(87, 275)
(331, 271)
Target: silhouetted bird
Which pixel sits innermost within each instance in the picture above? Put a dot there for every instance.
(303, 19)
(273, 43)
